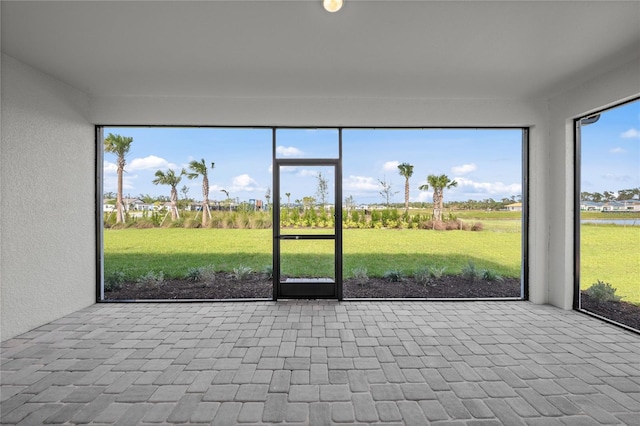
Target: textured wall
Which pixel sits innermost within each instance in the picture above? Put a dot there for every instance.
(47, 263)
(604, 91)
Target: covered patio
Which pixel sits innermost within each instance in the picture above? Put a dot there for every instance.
(313, 362)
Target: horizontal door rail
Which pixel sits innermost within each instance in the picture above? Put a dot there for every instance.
(306, 237)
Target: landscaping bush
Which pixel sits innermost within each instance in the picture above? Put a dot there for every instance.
(193, 274)
(470, 272)
(602, 292)
(151, 278)
(241, 273)
(114, 280)
(394, 275)
(423, 275)
(360, 274)
(478, 226)
(490, 275)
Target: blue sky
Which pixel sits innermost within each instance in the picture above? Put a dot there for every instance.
(486, 163)
(611, 150)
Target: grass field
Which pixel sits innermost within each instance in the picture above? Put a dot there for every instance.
(609, 253)
(612, 254)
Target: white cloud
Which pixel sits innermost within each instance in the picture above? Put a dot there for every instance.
(109, 168)
(464, 169)
(631, 134)
(423, 196)
(306, 172)
(150, 162)
(617, 178)
(489, 188)
(360, 183)
(288, 151)
(617, 150)
(390, 166)
(244, 182)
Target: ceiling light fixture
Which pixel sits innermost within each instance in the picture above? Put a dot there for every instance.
(332, 5)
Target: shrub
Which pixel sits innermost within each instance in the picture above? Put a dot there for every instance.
(241, 273)
(193, 274)
(439, 226)
(489, 275)
(114, 280)
(151, 279)
(470, 272)
(207, 273)
(477, 226)
(437, 271)
(603, 292)
(268, 272)
(423, 275)
(394, 275)
(191, 223)
(360, 274)
(427, 224)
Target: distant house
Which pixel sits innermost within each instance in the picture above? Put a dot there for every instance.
(622, 206)
(515, 207)
(590, 206)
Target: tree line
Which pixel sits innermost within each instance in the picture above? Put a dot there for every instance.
(608, 196)
(120, 146)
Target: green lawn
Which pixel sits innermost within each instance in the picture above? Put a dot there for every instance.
(175, 250)
(609, 253)
(612, 254)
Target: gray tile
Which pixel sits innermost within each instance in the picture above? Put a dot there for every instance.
(317, 362)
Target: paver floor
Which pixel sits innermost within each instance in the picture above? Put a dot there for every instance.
(322, 362)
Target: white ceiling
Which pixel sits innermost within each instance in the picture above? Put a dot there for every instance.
(413, 49)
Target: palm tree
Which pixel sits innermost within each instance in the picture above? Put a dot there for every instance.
(199, 168)
(406, 170)
(118, 145)
(288, 194)
(170, 178)
(438, 183)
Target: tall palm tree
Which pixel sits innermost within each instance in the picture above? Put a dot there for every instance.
(406, 170)
(118, 145)
(199, 168)
(438, 183)
(170, 178)
(288, 194)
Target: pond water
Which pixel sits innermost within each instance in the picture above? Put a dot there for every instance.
(626, 222)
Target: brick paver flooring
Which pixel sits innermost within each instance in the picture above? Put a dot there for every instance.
(323, 362)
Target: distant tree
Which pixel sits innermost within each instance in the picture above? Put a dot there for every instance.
(586, 196)
(109, 195)
(199, 168)
(323, 189)
(609, 196)
(308, 202)
(386, 191)
(288, 194)
(267, 196)
(170, 178)
(438, 184)
(349, 203)
(406, 170)
(628, 194)
(118, 145)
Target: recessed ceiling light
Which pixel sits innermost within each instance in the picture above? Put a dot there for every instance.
(332, 5)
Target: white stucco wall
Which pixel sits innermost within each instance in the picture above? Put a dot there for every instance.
(47, 265)
(606, 90)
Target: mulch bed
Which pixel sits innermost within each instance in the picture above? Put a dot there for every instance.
(622, 312)
(257, 286)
